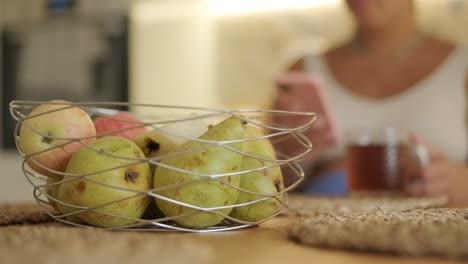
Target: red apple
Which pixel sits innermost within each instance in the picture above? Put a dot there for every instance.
(123, 124)
(49, 136)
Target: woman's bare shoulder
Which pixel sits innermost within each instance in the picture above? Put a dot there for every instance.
(439, 45)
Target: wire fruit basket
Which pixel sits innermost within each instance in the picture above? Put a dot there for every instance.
(127, 166)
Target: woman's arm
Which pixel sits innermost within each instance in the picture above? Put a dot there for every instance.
(301, 91)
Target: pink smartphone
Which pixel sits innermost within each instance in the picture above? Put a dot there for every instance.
(303, 92)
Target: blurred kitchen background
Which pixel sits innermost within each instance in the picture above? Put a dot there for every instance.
(214, 53)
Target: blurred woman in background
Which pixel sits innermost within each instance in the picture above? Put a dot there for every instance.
(391, 72)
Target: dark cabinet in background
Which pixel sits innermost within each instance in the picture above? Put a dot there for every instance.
(63, 56)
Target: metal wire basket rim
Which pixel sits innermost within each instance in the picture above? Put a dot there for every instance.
(128, 104)
(109, 103)
(69, 140)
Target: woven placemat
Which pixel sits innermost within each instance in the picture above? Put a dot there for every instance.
(441, 232)
(56, 243)
(306, 206)
(23, 213)
(53, 243)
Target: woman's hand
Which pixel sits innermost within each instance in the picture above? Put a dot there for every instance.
(441, 176)
(302, 92)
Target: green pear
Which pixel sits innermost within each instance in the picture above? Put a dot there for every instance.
(262, 146)
(52, 190)
(165, 139)
(204, 158)
(113, 161)
(267, 182)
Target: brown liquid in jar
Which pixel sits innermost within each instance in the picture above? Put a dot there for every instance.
(376, 166)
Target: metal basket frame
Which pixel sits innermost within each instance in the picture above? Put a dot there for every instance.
(19, 111)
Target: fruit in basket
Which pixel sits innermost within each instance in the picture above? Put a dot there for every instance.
(261, 146)
(262, 183)
(198, 190)
(119, 124)
(114, 161)
(52, 191)
(50, 132)
(166, 138)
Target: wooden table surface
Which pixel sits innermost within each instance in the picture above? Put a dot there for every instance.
(267, 243)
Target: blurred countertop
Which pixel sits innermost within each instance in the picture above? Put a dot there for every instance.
(15, 186)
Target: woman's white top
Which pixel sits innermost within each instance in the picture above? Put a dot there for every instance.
(435, 107)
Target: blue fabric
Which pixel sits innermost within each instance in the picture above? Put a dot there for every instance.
(330, 184)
